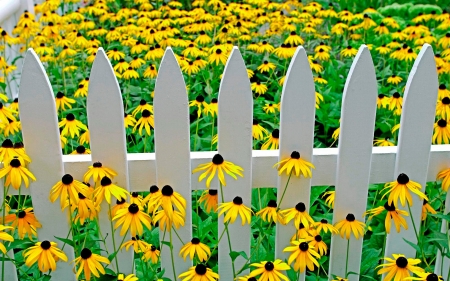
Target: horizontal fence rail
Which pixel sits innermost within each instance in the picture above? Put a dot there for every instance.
(351, 167)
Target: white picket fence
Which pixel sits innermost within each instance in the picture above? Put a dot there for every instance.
(351, 167)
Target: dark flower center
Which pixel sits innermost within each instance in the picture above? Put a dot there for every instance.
(272, 204)
(59, 95)
(15, 163)
(167, 190)
(301, 226)
(237, 200)
(295, 155)
(269, 266)
(318, 238)
(200, 269)
(154, 189)
(134, 194)
(276, 134)
(300, 207)
(323, 221)
(81, 196)
(389, 208)
(153, 248)
(442, 87)
(200, 98)
(122, 200)
(45, 245)
(350, 217)
(97, 165)
(7, 144)
(212, 192)
(105, 181)
(425, 201)
(396, 95)
(217, 159)
(214, 100)
(81, 149)
(70, 117)
(446, 100)
(18, 145)
(251, 279)
(218, 51)
(142, 102)
(145, 113)
(21, 214)
(133, 208)
(403, 178)
(442, 123)
(432, 276)
(86, 253)
(303, 246)
(255, 122)
(381, 96)
(401, 262)
(195, 241)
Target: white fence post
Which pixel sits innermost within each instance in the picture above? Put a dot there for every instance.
(172, 146)
(108, 145)
(419, 109)
(235, 145)
(354, 159)
(42, 143)
(297, 117)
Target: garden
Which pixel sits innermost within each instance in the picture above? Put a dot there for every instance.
(66, 36)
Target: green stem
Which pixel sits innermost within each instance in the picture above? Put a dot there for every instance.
(171, 256)
(217, 245)
(176, 233)
(346, 258)
(228, 236)
(415, 232)
(113, 239)
(196, 132)
(284, 191)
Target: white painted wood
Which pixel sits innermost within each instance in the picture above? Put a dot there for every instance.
(41, 139)
(108, 145)
(8, 8)
(296, 134)
(172, 146)
(354, 158)
(419, 108)
(235, 145)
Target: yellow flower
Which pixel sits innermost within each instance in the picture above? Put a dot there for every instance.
(295, 165)
(330, 198)
(349, 225)
(259, 88)
(210, 199)
(425, 276)
(97, 172)
(164, 221)
(270, 271)
(272, 141)
(218, 57)
(199, 273)
(235, 208)
(167, 199)
(303, 255)
(426, 208)
(271, 213)
(46, 254)
(444, 175)
(151, 254)
(325, 226)
(299, 214)
(349, 52)
(71, 126)
(220, 165)
(399, 267)
(5, 237)
(6, 113)
(89, 262)
(394, 79)
(195, 247)
(400, 189)
(258, 131)
(146, 121)
(25, 222)
(392, 214)
(441, 132)
(106, 189)
(132, 218)
(15, 173)
(315, 242)
(67, 188)
(122, 277)
(383, 142)
(266, 67)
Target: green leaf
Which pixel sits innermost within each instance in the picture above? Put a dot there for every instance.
(65, 240)
(167, 243)
(235, 254)
(415, 246)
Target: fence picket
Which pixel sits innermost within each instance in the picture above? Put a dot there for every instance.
(172, 146)
(354, 158)
(42, 142)
(419, 109)
(296, 134)
(235, 145)
(108, 145)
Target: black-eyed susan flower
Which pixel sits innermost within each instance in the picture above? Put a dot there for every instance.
(410, 55)
(349, 52)
(399, 267)
(166, 223)
(133, 219)
(441, 132)
(383, 50)
(400, 190)
(136, 198)
(259, 88)
(296, 165)
(329, 200)
(20, 150)
(82, 91)
(270, 271)
(151, 72)
(383, 142)
(270, 108)
(86, 209)
(15, 172)
(258, 131)
(115, 54)
(26, 223)
(394, 79)
(6, 113)
(14, 106)
(139, 245)
(218, 57)
(146, 121)
(81, 150)
(67, 188)
(143, 105)
(129, 120)
(426, 276)
(7, 152)
(120, 204)
(443, 108)
(198, 273)
(195, 247)
(266, 66)
(151, 254)
(349, 225)
(168, 199)
(11, 128)
(395, 103)
(213, 108)
(272, 141)
(315, 242)
(106, 189)
(325, 226)
(209, 198)
(271, 213)
(71, 126)
(5, 237)
(219, 165)
(392, 214)
(130, 73)
(89, 262)
(45, 254)
(130, 277)
(298, 214)
(443, 92)
(97, 172)
(235, 208)
(426, 208)
(444, 175)
(200, 103)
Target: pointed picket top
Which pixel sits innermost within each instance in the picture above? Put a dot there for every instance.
(419, 109)
(235, 145)
(354, 158)
(297, 117)
(42, 142)
(107, 140)
(172, 149)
